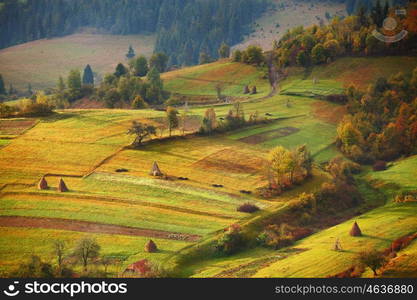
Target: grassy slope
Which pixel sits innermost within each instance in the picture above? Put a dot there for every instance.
(359, 71)
(380, 227)
(287, 15)
(202, 79)
(40, 62)
(18, 244)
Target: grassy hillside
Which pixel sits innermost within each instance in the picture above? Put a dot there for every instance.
(203, 79)
(332, 78)
(40, 63)
(314, 257)
(286, 15)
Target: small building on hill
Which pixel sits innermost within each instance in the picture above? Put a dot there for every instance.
(155, 171)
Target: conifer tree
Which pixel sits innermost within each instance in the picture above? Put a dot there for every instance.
(2, 88)
(88, 76)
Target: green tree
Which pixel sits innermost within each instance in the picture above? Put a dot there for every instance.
(154, 78)
(237, 56)
(120, 70)
(88, 76)
(140, 131)
(318, 54)
(172, 119)
(302, 58)
(2, 88)
(209, 122)
(204, 58)
(60, 85)
(74, 85)
(253, 55)
(140, 66)
(159, 61)
(74, 80)
(86, 250)
(224, 50)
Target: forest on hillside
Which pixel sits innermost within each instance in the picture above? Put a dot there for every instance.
(184, 28)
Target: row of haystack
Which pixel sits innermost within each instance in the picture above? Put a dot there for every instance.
(43, 185)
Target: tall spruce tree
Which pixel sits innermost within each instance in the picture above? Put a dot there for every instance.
(88, 76)
(2, 88)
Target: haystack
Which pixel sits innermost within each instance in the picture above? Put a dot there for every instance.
(337, 245)
(355, 231)
(155, 171)
(62, 187)
(246, 90)
(151, 247)
(43, 184)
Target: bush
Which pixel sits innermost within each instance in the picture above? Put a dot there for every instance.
(248, 208)
(406, 196)
(231, 241)
(379, 166)
(37, 110)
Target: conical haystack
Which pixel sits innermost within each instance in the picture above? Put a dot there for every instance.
(43, 184)
(62, 187)
(355, 231)
(151, 247)
(155, 171)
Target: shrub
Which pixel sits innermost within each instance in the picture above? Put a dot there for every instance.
(300, 233)
(248, 208)
(379, 166)
(372, 259)
(231, 241)
(139, 103)
(36, 110)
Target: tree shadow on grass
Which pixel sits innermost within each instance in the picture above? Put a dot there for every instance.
(57, 117)
(376, 238)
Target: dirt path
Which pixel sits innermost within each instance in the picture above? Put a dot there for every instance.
(83, 226)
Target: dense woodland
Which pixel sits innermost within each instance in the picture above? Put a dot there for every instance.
(351, 36)
(184, 28)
